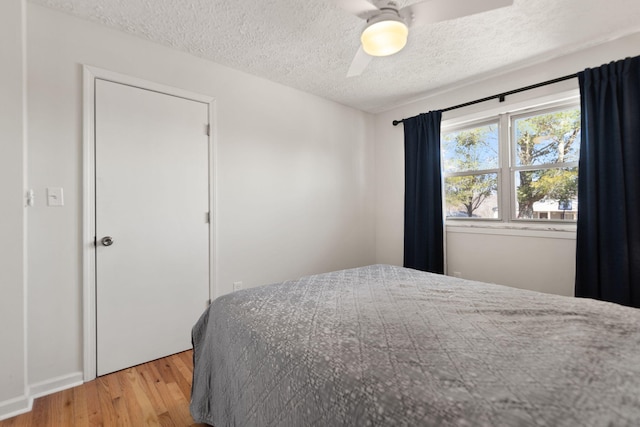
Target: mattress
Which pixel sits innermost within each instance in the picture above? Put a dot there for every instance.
(390, 346)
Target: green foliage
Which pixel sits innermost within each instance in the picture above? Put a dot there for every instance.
(551, 138)
(471, 150)
(544, 140)
(470, 191)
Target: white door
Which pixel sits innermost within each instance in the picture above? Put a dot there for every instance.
(152, 231)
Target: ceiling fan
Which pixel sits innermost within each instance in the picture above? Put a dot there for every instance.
(388, 26)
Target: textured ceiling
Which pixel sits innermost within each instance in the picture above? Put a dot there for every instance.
(309, 44)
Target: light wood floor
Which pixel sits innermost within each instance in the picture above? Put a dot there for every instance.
(155, 394)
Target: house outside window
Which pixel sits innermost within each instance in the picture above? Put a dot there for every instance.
(514, 167)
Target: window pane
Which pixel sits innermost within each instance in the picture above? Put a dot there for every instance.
(548, 138)
(472, 196)
(471, 149)
(550, 194)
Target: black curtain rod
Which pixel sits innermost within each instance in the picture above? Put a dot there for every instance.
(501, 96)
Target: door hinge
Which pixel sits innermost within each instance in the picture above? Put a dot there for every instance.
(207, 130)
(95, 241)
(207, 217)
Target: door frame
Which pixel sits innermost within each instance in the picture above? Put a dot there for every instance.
(90, 75)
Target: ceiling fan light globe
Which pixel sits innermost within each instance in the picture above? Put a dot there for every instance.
(384, 38)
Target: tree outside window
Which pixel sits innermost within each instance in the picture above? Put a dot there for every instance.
(546, 163)
(541, 171)
(471, 171)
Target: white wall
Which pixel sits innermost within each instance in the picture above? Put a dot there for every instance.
(12, 140)
(543, 260)
(296, 190)
(293, 173)
(496, 257)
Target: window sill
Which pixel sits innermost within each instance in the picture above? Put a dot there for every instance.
(546, 230)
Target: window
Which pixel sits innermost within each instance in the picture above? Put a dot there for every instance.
(471, 167)
(514, 167)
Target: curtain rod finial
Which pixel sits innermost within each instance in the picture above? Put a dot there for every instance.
(396, 122)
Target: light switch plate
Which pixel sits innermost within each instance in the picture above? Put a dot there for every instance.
(30, 198)
(55, 196)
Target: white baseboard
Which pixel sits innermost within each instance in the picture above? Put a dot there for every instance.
(55, 384)
(20, 405)
(13, 407)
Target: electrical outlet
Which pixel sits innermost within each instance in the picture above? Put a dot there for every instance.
(237, 286)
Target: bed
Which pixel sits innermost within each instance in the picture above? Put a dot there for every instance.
(385, 345)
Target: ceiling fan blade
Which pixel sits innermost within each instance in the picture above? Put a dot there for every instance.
(359, 63)
(360, 8)
(431, 11)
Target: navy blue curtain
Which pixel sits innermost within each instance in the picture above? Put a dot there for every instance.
(423, 228)
(608, 240)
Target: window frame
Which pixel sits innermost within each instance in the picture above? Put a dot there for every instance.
(506, 173)
(499, 171)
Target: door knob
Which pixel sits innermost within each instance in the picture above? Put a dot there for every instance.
(107, 241)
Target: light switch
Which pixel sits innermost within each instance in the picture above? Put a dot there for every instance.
(30, 198)
(54, 196)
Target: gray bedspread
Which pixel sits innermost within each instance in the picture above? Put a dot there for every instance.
(384, 345)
